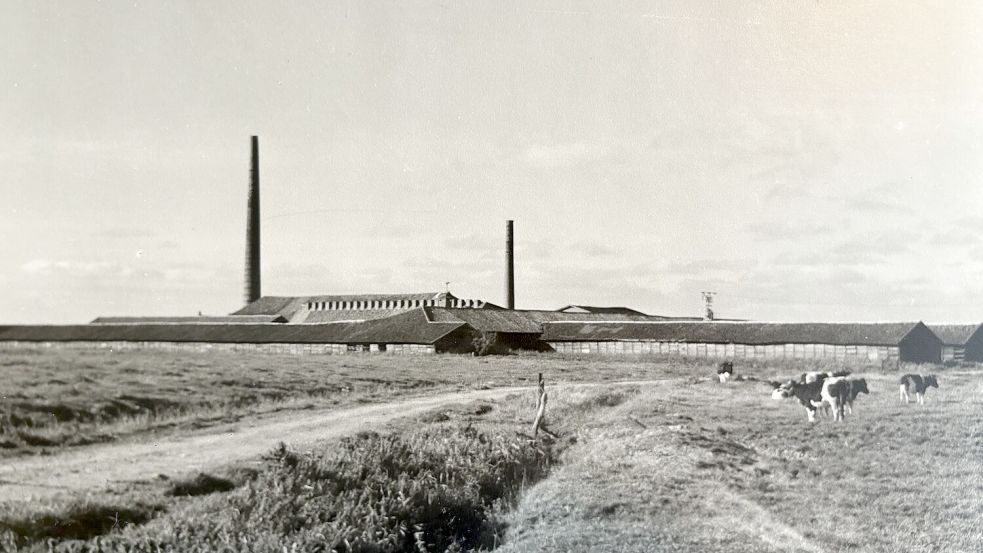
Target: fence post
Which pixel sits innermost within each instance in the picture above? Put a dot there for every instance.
(540, 408)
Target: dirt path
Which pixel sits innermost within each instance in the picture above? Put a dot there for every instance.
(99, 467)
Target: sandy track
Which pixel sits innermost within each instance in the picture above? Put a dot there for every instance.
(99, 467)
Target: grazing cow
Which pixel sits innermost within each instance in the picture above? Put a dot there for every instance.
(834, 393)
(918, 384)
(857, 386)
(809, 394)
(724, 371)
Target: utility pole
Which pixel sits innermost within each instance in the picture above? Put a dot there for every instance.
(708, 305)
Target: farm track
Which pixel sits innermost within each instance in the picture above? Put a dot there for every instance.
(87, 469)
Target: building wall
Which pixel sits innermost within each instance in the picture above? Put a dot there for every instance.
(733, 351)
(292, 349)
(974, 348)
(953, 353)
(921, 345)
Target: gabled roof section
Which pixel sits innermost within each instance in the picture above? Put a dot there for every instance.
(489, 320)
(522, 321)
(875, 334)
(596, 309)
(272, 305)
(412, 327)
(344, 315)
(201, 319)
(955, 335)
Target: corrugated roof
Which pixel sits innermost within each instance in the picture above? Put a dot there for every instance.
(407, 328)
(522, 321)
(488, 320)
(272, 305)
(882, 334)
(597, 309)
(379, 297)
(954, 335)
(412, 327)
(201, 319)
(341, 315)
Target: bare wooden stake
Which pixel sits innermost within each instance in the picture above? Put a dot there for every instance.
(540, 422)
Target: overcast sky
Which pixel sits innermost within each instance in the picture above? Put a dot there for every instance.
(805, 160)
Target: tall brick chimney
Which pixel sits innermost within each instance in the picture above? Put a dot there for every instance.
(509, 268)
(252, 229)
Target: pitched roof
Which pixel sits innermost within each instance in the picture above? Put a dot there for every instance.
(955, 335)
(488, 320)
(882, 334)
(272, 305)
(522, 321)
(412, 327)
(201, 319)
(408, 328)
(596, 309)
(345, 315)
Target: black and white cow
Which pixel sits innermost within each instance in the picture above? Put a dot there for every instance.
(724, 371)
(835, 391)
(814, 376)
(918, 384)
(808, 394)
(857, 386)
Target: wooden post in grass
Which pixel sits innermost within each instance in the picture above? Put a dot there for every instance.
(540, 408)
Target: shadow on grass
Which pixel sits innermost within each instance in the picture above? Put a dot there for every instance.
(78, 521)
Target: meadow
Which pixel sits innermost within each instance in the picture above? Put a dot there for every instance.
(674, 462)
(56, 398)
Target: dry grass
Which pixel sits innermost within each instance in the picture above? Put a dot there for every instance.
(710, 467)
(66, 397)
(442, 486)
(683, 464)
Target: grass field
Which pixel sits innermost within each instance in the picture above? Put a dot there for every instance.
(54, 398)
(680, 464)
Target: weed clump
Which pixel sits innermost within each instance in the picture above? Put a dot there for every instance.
(201, 484)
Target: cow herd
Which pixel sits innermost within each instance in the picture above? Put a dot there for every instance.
(834, 392)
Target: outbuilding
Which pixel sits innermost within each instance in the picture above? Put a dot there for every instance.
(960, 342)
(863, 342)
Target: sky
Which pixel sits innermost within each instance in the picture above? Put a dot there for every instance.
(806, 161)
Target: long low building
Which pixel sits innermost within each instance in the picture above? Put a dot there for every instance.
(409, 332)
(438, 329)
(867, 342)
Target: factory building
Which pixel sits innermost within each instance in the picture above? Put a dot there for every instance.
(439, 322)
(859, 342)
(356, 307)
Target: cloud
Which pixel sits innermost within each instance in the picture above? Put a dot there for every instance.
(45, 268)
(793, 230)
(596, 249)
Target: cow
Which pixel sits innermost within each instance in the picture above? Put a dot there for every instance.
(808, 394)
(857, 386)
(835, 393)
(724, 371)
(918, 384)
(814, 376)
